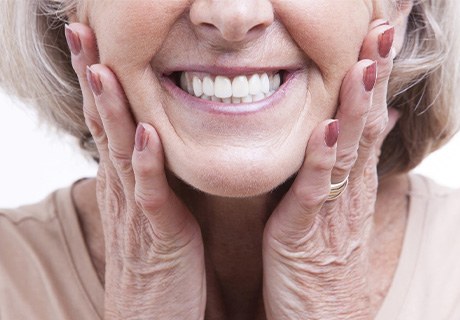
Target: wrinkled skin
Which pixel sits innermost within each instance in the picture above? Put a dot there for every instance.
(313, 253)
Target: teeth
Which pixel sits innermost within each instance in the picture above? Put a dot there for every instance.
(189, 85)
(208, 86)
(254, 84)
(223, 89)
(265, 83)
(240, 87)
(258, 97)
(276, 82)
(247, 99)
(197, 86)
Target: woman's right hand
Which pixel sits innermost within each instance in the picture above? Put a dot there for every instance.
(154, 250)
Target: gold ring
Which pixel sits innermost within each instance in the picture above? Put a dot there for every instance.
(337, 189)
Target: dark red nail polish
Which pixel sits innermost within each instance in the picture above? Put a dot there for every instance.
(370, 76)
(386, 42)
(94, 81)
(332, 133)
(142, 138)
(73, 40)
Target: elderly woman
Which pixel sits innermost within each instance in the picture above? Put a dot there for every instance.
(238, 143)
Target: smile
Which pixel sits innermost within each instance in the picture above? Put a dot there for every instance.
(235, 90)
(230, 91)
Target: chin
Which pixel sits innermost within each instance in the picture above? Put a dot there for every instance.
(242, 179)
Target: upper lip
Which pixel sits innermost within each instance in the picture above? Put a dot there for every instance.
(227, 71)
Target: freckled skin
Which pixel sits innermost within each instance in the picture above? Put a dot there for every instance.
(222, 154)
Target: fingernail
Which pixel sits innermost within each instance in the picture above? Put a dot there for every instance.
(73, 40)
(332, 133)
(370, 76)
(94, 81)
(142, 138)
(386, 42)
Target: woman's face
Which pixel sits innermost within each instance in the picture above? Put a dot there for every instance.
(232, 149)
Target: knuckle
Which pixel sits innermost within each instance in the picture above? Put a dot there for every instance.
(324, 164)
(121, 162)
(345, 162)
(100, 138)
(143, 168)
(97, 131)
(115, 202)
(376, 128)
(109, 111)
(309, 199)
(152, 201)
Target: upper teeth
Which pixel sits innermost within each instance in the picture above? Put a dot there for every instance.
(238, 90)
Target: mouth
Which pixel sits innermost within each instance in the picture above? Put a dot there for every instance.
(230, 90)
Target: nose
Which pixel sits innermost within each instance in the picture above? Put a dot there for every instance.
(231, 20)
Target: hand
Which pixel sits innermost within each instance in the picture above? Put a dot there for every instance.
(316, 253)
(154, 250)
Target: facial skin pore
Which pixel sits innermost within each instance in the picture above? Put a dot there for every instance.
(220, 153)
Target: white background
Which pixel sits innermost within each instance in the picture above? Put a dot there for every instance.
(34, 161)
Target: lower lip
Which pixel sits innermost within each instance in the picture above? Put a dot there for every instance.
(228, 108)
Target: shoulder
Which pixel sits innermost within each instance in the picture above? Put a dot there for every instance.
(433, 241)
(38, 277)
(23, 227)
(41, 212)
(439, 205)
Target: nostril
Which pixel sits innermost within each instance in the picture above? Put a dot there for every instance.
(256, 29)
(209, 26)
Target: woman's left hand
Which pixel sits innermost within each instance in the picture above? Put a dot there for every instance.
(316, 253)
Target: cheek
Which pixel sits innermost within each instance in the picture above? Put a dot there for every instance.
(131, 32)
(331, 34)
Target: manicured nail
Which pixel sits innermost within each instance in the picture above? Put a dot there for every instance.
(370, 76)
(94, 81)
(142, 138)
(73, 40)
(386, 42)
(332, 133)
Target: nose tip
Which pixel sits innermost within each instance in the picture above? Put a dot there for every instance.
(231, 20)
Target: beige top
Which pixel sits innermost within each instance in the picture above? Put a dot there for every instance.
(46, 271)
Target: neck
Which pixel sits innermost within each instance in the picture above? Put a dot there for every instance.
(232, 230)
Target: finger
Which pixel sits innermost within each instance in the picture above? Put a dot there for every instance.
(393, 117)
(169, 217)
(82, 44)
(296, 212)
(114, 111)
(378, 45)
(355, 102)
